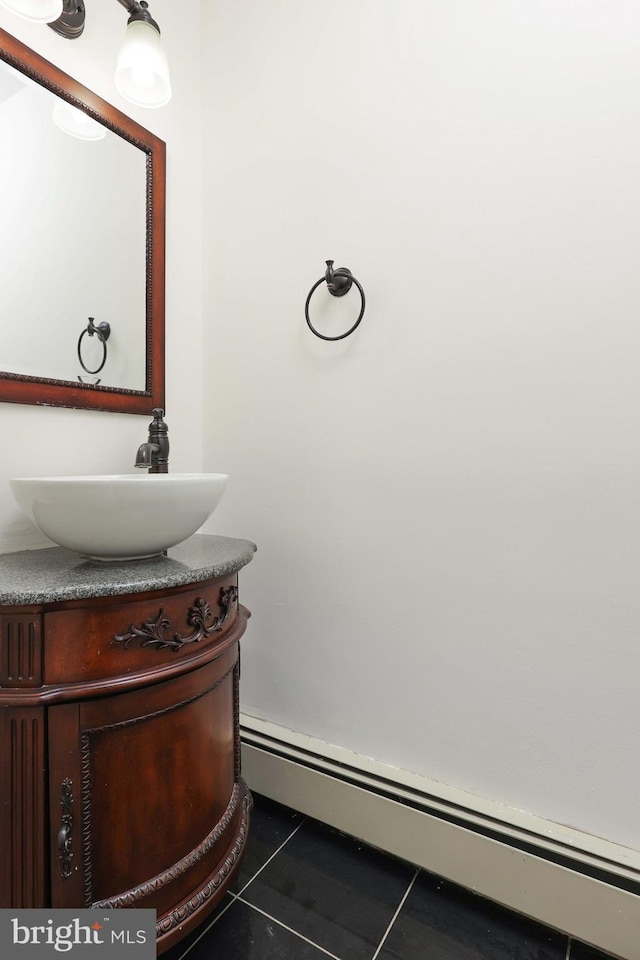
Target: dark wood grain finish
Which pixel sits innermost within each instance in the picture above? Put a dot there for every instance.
(81, 639)
(196, 857)
(134, 796)
(23, 863)
(65, 765)
(179, 792)
(20, 650)
(171, 927)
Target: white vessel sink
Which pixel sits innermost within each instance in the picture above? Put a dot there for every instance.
(120, 516)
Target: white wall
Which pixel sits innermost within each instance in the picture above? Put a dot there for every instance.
(455, 484)
(446, 503)
(53, 440)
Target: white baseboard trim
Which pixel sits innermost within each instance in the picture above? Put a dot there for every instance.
(585, 886)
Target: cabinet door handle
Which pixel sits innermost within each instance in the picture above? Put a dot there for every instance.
(66, 830)
(64, 838)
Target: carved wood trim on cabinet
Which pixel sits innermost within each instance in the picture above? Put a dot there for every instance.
(120, 778)
(151, 632)
(130, 898)
(210, 894)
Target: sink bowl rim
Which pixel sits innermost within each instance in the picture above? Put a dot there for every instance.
(119, 516)
(119, 477)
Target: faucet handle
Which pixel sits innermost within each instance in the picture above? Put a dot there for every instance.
(158, 425)
(158, 433)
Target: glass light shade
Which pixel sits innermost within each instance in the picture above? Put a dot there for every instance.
(39, 11)
(142, 71)
(76, 122)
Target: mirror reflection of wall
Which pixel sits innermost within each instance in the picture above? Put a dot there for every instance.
(73, 243)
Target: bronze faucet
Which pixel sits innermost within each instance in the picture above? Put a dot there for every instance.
(154, 454)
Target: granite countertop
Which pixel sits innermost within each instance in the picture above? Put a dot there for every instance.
(54, 574)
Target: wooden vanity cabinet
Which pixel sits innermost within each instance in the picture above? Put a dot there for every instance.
(120, 754)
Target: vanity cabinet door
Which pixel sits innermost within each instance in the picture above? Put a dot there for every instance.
(145, 797)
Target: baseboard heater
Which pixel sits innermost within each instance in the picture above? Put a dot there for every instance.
(584, 886)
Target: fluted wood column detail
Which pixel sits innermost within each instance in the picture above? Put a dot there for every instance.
(22, 807)
(20, 650)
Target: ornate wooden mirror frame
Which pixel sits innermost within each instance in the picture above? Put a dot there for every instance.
(19, 388)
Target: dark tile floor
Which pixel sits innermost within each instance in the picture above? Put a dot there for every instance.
(307, 892)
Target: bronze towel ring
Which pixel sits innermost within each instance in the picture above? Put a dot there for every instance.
(338, 282)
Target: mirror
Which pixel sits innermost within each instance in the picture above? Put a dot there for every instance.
(83, 244)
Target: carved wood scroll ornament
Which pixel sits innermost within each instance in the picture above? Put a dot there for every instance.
(151, 633)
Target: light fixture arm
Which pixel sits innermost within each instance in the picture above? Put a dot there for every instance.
(139, 10)
(70, 23)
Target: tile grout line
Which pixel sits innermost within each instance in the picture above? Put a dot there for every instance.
(274, 854)
(215, 919)
(236, 896)
(395, 916)
(285, 927)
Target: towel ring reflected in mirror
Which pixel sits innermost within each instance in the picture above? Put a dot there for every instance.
(103, 332)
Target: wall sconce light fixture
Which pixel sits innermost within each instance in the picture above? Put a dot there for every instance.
(39, 11)
(142, 71)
